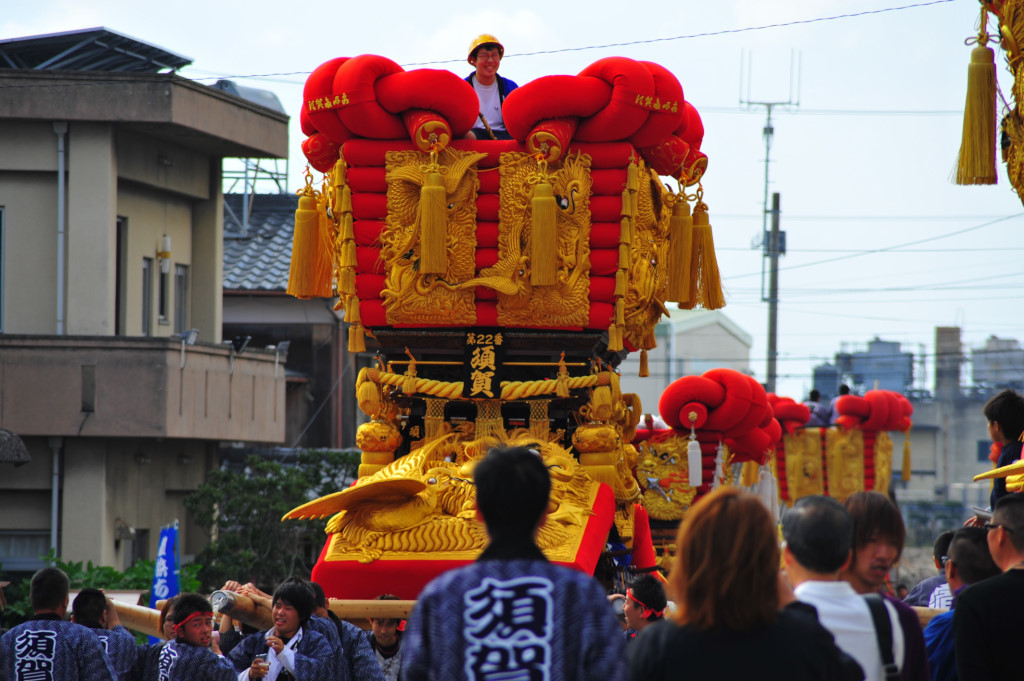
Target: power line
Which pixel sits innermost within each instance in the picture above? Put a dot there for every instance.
(862, 251)
(837, 112)
(689, 36)
(861, 218)
(888, 248)
(708, 34)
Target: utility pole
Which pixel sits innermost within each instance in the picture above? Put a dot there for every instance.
(775, 245)
(773, 242)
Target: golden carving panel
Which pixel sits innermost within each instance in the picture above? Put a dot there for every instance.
(409, 296)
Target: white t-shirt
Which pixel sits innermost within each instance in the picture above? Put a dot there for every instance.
(845, 613)
(490, 103)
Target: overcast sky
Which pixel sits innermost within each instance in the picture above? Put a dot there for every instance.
(880, 243)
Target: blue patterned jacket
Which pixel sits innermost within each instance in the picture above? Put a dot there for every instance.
(314, 660)
(512, 614)
(47, 648)
(180, 661)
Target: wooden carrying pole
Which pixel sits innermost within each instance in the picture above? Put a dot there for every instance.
(354, 610)
(239, 607)
(258, 614)
(139, 618)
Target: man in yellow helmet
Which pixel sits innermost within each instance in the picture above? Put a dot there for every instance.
(485, 53)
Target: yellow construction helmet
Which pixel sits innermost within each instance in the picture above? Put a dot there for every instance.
(480, 41)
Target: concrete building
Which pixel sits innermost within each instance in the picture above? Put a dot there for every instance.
(689, 343)
(882, 365)
(111, 246)
(1000, 362)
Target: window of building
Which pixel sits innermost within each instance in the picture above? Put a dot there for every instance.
(147, 296)
(181, 301)
(161, 296)
(20, 550)
(984, 448)
(120, 267)
(2, 251)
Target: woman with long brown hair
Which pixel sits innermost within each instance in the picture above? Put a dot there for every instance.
(728, 623)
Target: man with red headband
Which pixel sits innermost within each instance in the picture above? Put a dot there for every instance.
(644, 605)
(485, 53)
(193, 654)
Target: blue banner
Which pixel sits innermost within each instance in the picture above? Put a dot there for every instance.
(166, 581)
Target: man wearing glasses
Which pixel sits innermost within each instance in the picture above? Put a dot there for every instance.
(987, 628)
(485, 53)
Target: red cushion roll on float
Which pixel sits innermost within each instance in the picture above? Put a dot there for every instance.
(685, 390)
(552, 97)
(361, 112)
(320, 151)
(319, 104)
(439, 91)
(668, 110)
(624, 113)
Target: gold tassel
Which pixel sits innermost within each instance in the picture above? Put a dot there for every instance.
(562, 386)
(623, 256)
(977, 162)
(347, 232)
(540, 422)
(562, 382)
(489, 422)
(433, 225)
(409, 385)
(626, 231)
(339, 173)
(368, 397)
(905, 473)
(632, 177)
(543, 237)
(433, 419)
(346, 201)
(680, 235)
(347, 281)
(620, 283)
(356, 342)
(614, 338)
(620, 312)
(644, 371)
(704, 264)
(352, 311)
(348, 254)
(309, 275)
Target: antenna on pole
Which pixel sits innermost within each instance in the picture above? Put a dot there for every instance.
(773, 243)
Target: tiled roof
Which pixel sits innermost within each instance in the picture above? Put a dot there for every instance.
(258, 258)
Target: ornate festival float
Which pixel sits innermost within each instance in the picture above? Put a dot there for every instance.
(500, 284)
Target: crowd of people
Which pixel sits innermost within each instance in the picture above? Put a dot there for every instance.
(815, 606)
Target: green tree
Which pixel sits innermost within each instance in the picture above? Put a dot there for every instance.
(241, 512)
